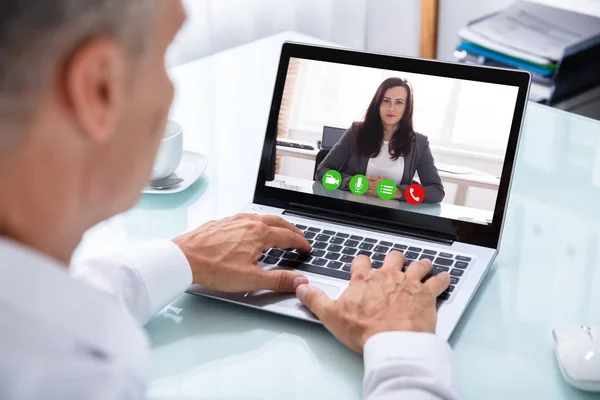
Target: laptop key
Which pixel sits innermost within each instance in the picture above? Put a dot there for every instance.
(354, 237)
(377, 264)
(324, 271)
(443, 261)
(461, 265)
(417, 249)
(290, 255)
(334, 264)
(379, 257)
(457, 272)
(425, 256)
(370, 240)
(439, 269)
(290, 263)
(309, 235)
(342, 235)
(444, 296)
(463, 258)
(346, 259)
(349, 251)
(446, 255)
(262, 257)
(314, 229)
(301, 227)
(318, 253)
(454, 280)
(365, 253)
(381, 249)
(276, 252)
(332, 256)
(346, 267)
(351, 243)
(335, 248)
(305, 258)
(310, 241)
(337, 240)
(270, 260)
(400, 246)
(330, 233)
(388, 244)
(412, 255)
(320, 245)
(365, 246)
(319, 261)
(323, 238)
(429, 252)
(450, 289)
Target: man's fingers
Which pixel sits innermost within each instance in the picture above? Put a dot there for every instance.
(438, 284)
(315, 300)
(279, 280)
(394, 259)
(286, 239)
(278, 222)
(360, 267)
(419, 269)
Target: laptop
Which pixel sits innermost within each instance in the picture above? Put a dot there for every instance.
(472, 116)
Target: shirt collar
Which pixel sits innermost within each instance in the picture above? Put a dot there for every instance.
(38, 286)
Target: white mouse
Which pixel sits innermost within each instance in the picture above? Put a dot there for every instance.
(578, 354)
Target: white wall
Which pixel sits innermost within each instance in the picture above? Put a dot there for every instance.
(387, 26)
(215, 25)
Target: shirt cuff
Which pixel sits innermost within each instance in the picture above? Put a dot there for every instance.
(384, 346)
(164, 269)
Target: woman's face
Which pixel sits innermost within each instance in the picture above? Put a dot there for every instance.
(393, 105)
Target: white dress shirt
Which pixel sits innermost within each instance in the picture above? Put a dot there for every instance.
(77, 335)
(384, 165)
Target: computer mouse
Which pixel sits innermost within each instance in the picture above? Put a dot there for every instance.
(577, 351)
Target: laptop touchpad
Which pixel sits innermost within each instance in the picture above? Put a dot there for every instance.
(264, 297)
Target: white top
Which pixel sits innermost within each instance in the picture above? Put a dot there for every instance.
(78, 335)
(383, 165)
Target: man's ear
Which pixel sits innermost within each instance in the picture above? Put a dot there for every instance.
(94, 87)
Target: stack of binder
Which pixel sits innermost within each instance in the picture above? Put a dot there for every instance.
(560, 48)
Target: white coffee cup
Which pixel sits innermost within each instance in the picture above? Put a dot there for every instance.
(170, 151)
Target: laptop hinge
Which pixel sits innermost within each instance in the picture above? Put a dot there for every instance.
(360, 221)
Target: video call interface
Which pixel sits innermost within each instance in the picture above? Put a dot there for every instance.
(414, 142)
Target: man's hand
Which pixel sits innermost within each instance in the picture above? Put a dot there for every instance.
(224, 254)
(380, 300)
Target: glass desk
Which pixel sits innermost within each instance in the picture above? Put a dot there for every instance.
(547, 273)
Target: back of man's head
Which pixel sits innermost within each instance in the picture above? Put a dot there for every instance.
(37, 36)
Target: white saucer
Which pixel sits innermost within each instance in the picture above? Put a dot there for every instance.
(191, 167)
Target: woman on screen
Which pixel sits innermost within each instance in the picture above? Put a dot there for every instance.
(385, 146)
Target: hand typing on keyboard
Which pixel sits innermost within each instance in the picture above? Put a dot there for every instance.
(379, 300)
(224, 254)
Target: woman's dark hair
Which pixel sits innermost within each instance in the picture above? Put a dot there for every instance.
(370, 132)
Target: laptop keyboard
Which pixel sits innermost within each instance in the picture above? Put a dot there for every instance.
(333, 253)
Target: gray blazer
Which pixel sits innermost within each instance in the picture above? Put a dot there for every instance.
(344, 159)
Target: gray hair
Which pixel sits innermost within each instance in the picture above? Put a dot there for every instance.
(37, 36)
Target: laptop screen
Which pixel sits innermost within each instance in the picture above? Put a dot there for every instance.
(414, 142)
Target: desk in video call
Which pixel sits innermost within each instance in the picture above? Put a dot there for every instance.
(436, 209)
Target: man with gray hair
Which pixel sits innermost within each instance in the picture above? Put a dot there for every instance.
(84, 99)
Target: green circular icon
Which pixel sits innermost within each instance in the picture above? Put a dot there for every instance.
(359, 184)
(332, 180)
(386, 189)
